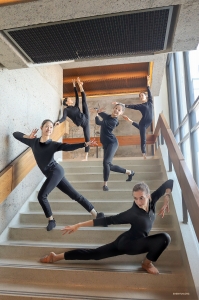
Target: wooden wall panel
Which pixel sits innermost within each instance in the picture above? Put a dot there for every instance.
(5, 183)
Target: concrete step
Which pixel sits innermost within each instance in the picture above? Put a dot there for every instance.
(113, 185)
(99, 169)
(64, 218)
(107, 206)
(32, 291)
(14, 254)
(134, 161)
(139, 176)
(63, 277)
(86, 234)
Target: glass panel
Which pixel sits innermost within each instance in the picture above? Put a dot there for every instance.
(195, 152)
(187, 154)
(185, 129)
(197, 113)
(194, 71)
(180, 77)
(177, 137)
(173, 100)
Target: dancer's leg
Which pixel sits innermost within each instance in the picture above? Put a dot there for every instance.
(136, 125)
(53, 178)
(68, 189)
(143, 139)
(105, 251)
(86, 130)
(153, 245)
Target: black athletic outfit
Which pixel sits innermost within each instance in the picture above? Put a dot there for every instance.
(136, 239)
(79, 118)
(146, 110)
(109, 142)
(44, 156)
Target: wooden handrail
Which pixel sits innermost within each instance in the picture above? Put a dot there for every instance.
(187, 183)
(123, 140)
(13, 174)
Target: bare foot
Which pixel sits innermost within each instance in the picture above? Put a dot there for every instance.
(150, 268)
(48, 258)
(85, 159)
(144, 156)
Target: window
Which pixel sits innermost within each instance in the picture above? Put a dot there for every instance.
(194, 71)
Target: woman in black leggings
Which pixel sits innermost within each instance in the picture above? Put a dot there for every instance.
(135, 241)
(73, 112)
(43, 149)
(110, 142)
(146, 109)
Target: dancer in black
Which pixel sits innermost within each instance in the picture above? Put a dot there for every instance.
(43, 149)
(110, 142)
(146, 109)
(73, 112)
(135, 241)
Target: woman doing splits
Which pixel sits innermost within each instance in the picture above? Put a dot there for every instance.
(73, 112)
(146, 109)
(43, 149)
(110, 142)
(135, 241)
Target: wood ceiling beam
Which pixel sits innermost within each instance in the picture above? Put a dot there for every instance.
(111, 76)
(109, 92)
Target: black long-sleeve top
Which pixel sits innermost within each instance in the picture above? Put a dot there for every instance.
(107, 125)
(146, 109)
(44, 152)
(140, 220)
(73, 112)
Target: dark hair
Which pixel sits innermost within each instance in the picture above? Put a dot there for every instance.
(45, 121)
(141, 186)
(122, 105)
(64, 101)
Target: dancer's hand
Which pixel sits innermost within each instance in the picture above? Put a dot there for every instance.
(73, 81)
(100, 110)
(79, 81)
(91, 143)
(115, 103)
(57, 123)
(33, 134)
(70, 229)
(127, 118)
(148, 80)
(165, 207)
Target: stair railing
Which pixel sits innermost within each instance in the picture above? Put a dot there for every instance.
(189, 188)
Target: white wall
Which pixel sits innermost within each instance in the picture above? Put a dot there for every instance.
(27, 97)
(161, 102)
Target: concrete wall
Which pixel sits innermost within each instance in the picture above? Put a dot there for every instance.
(27, 97)
(124, 128)
(161, 102)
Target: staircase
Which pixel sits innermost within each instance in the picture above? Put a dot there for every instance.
(23, 277)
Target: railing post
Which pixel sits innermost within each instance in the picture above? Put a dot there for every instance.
(96, 151)
(170, 163)
(162, 139)
(184, 211)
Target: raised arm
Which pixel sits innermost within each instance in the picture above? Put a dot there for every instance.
(25, 139)
(63, 118)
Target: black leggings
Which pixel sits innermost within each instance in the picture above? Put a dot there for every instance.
(142, 128)
(85, 124)
(55, 178)
(109, 152)
(153, 245)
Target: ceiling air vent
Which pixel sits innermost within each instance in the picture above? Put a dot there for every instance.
(131, 33)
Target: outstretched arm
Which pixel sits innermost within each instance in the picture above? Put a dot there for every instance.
(72, 228)
(127, 119)
(72, 147)
(24, 138)
(63, 118)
